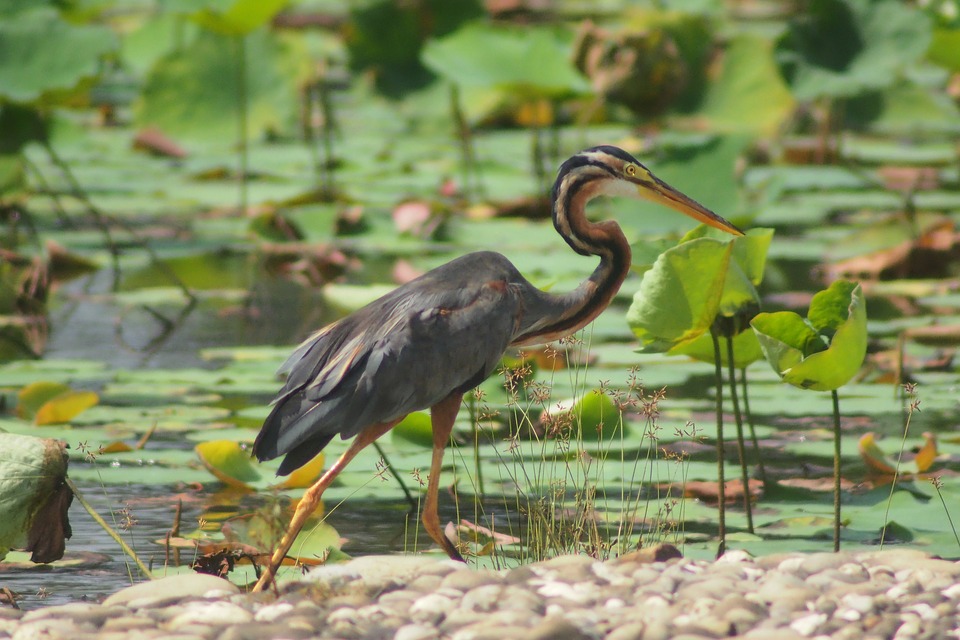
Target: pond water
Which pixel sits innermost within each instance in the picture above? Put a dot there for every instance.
(372, 515)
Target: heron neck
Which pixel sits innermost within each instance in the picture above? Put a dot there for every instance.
(555, 316)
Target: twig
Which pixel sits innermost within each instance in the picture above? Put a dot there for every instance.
(110, 531)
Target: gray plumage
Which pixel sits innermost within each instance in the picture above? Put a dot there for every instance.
(441, 333)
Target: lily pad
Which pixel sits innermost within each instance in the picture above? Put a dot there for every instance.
(232, 464)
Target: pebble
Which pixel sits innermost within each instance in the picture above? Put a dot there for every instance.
(899, 594)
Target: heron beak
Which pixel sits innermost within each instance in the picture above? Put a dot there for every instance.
(659, 191)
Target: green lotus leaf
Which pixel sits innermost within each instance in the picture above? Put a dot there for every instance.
(680, 295)
(746, 349)
(749, 94)
(41, 53)
(237, 17)
(531, 62)
(842, 48)
(416, 428)
(192, 92)
(824, 352)
(592, 416)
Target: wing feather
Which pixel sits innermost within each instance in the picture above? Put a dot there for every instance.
(404, 352)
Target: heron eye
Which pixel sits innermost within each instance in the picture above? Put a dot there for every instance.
(630, 170)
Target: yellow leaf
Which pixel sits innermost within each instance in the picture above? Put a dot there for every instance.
(927, 453)
(306, 475)
(65, 407)
(873, 456)
(33, 396)
(229, 462)
(116, 447)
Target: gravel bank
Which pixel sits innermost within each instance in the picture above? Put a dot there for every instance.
(900, 594)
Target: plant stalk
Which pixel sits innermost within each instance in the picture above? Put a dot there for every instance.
(106, 527)
(242, 131)
(836, 470)
(753, 431)
(721, 488)
(396, 476)
(741, 449)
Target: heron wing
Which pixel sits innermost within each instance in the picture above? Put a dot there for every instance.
(404, 352)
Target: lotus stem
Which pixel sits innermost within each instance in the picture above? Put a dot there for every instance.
(836, 470)
(741, 449)
(721, 489)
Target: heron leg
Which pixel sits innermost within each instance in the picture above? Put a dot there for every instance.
(311, 499)
(442, 416)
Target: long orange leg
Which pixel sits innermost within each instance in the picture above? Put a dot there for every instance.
(311, 499)
(442, 415)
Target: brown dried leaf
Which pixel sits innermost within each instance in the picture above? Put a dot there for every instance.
(154, 141)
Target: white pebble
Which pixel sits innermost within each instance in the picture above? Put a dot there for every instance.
(807, 625)
(211, 613)
(273, 611)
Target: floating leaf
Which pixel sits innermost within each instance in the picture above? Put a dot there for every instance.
(415, 428)
(33, 396)
(873, 456)
(305, 476)
(589, 417)
(230, 463)
(927, 454)
(233, 465)
(65, 407)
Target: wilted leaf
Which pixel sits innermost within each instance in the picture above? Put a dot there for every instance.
(154, 141)
(33, 496)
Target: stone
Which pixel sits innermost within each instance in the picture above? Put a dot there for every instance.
(128, 623)
(431, 608)
(416, 631)
(172, 588)
(556, 628)
(483, 598)
(466, 580)
(210, 613)
(273, 611)
(628, 631)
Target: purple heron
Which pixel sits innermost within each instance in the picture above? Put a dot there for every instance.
(433, 339)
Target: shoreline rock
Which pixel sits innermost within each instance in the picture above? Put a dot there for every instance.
(900, 593)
